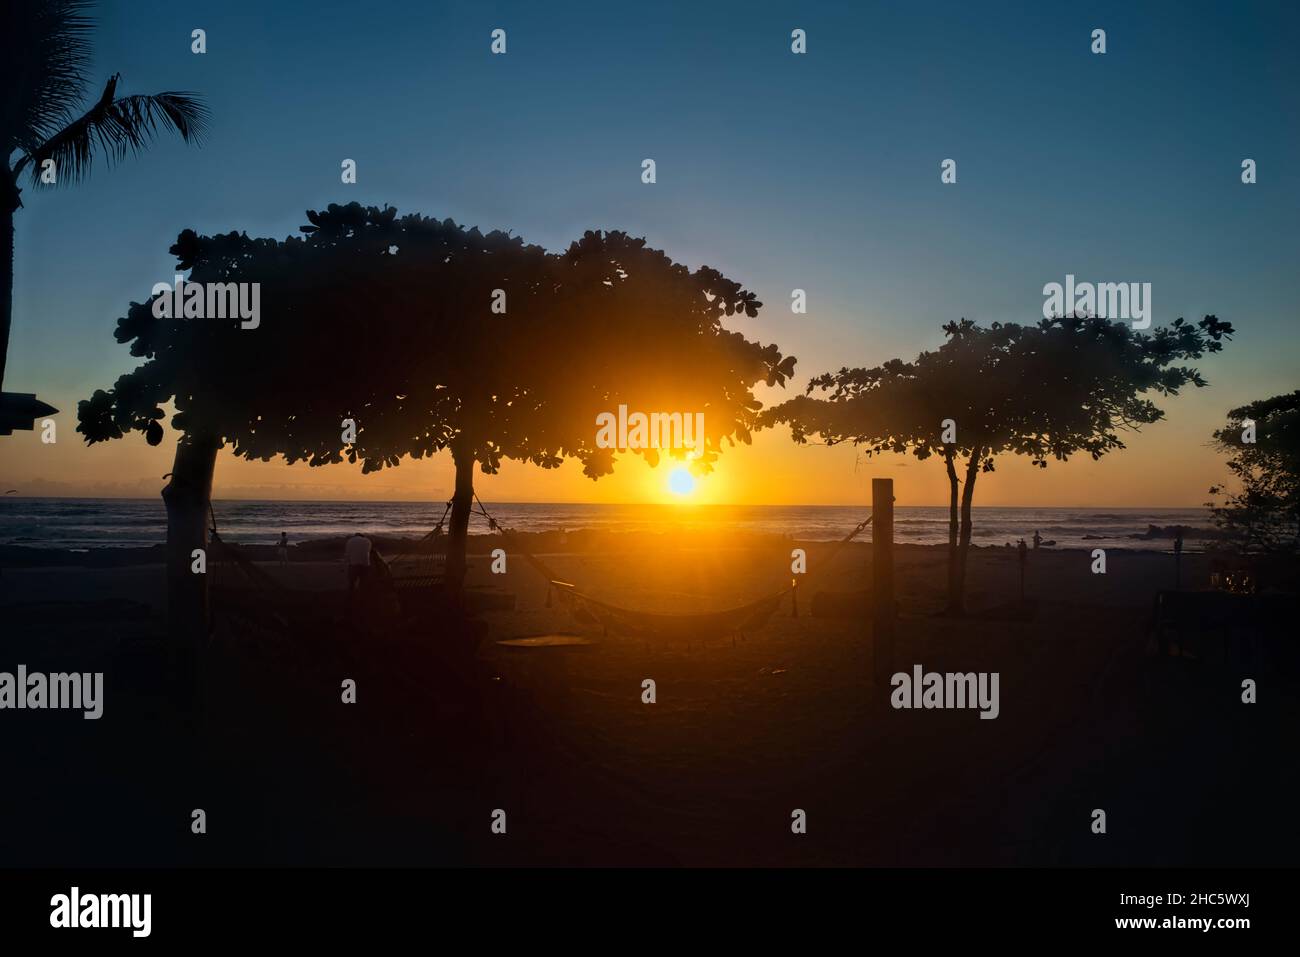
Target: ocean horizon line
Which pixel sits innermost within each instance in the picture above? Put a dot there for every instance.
(118, 522)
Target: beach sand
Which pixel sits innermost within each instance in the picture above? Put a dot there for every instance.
(744, 730)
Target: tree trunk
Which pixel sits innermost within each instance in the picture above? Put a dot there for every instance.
(967, 496)
(187, 498)
(8, 205)
(954, 588)
(462, 501)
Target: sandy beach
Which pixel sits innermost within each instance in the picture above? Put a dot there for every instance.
(744, 729)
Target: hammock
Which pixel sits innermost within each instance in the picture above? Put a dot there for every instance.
(253, 597)
(627, 621)
(414, 575)
(228, 557)
(624, 621)
(421, 570)
(244, 594)
(249, 596)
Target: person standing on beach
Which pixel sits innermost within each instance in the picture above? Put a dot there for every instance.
(283, 549)
(357, 555)
(1038, 539)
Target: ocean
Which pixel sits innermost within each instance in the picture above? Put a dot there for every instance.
(67, 523)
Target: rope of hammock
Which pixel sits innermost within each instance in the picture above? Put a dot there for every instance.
(570, 592)
(582, 605)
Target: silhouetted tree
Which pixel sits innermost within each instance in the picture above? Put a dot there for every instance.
(44, 57)
(607, 322)
(1063, 386)
(389, 322)
(262, 390)
(1263, 513)
(896, 407)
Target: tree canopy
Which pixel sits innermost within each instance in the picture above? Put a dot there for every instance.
(390, 322)
(387, 320)
(1060, 387)
(1063, 386)
(1262, 513)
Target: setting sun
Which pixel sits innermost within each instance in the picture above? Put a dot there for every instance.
(680, 481)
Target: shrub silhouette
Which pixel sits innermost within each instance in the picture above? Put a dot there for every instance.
(1263, 513)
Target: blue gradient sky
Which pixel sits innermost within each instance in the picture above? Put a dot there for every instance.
(818, 171)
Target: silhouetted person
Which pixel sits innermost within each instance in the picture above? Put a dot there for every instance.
(283, 549)
(356, 553)
(1038, 539)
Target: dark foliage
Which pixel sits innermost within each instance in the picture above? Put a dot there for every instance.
(386, 320)
(1262, 514)
(1061, 387)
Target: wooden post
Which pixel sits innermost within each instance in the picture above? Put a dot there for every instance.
(1022, 553)
(1178, 559)
(882, 576)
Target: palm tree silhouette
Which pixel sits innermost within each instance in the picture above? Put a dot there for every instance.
(44, 55)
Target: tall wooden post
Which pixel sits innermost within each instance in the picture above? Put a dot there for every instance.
(882, 578)
(1178, 559)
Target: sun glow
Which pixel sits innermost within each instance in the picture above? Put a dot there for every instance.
(680, 481)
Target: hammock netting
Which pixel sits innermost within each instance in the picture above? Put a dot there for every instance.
(414, 579)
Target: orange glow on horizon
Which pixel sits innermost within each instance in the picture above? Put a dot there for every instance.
(1168, 464)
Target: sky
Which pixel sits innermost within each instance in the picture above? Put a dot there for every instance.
(818, 171)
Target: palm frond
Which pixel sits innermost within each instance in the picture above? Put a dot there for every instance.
(118, 127)
(140, 117)
(45, 54)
